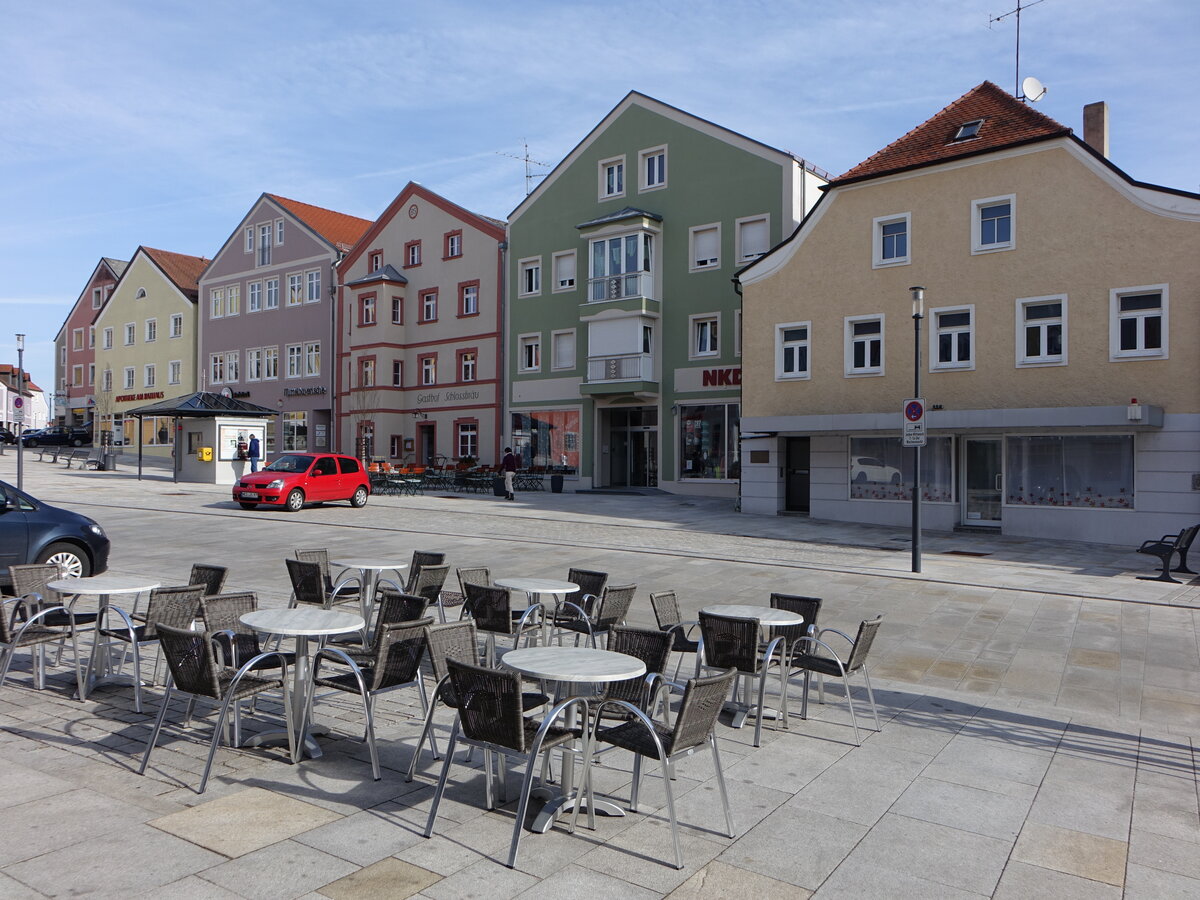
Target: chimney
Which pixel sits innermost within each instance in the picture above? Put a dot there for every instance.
(1095, 127)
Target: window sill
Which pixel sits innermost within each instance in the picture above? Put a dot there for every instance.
(891, 263)
(998, 248)
(1137, 355)
(966, 367)
(871, 374)
(807, 376)
(1039, 363)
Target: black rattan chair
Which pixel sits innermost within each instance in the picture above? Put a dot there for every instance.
(478, 575)
(236, 642)
(806, 607)
(397, 663)
(193, 669)
(421, 559)
(344, 589)
(490, 717)
(429, 581)
(811, 660)
(491, 608)
(609, 610)
(23, 625)
(29, 582)
(730, 642)
(391, 608)
(666, 612)
(212, 577)
(646, 738)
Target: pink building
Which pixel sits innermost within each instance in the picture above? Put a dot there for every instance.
(75, 346)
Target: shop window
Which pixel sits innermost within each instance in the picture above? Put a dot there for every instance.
(708, 441)
(1090, 471)
(881, 469)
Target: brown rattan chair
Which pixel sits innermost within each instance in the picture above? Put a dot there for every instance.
(807, 607)
(666, 612)
(653, 648)
(22, 625)
(345, 589)
(236, 642)
(212, 577)
(29, 582)
(808, 659)
(457, 640)
(609, 610)
(491, 608)
(308, 584)
(646, 738)
(193, 669)
(177, 607)
(490, 717)
(397, 664)
(429, 581)
(478, 575)
(391, 608)
(421, 559)
(730, 642)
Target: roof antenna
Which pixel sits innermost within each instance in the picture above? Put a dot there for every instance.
(529, 174)
(1031, 89)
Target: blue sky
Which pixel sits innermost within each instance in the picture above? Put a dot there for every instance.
(159, 123)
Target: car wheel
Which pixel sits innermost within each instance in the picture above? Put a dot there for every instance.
(31, 443)
(359, 500)
(295, 500)
(861, 477)
(248, 505)
(71, 561)
(76, 443)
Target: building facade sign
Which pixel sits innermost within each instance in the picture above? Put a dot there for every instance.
(697, 379)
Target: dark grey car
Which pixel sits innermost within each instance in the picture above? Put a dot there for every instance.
(32, 531)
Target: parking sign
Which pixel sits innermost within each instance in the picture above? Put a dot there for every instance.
(914, 422)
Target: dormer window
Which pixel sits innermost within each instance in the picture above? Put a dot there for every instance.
(968, 130)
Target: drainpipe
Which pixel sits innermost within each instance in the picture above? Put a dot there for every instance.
(501, 344)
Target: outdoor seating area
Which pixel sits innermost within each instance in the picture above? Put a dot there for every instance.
(388, 479)
(534, 669)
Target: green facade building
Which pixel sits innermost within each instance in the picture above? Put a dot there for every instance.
(623, 332)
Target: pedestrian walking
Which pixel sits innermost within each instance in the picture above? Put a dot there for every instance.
(254, 452)
(509, 465)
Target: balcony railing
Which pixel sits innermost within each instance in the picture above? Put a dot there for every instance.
(620, 287)
(623, 367)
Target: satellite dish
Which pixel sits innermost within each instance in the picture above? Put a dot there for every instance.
(1032, 89)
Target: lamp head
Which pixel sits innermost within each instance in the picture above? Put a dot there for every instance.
(918, 301)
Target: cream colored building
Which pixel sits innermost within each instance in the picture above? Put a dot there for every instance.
(1059, 362)
(146, 345)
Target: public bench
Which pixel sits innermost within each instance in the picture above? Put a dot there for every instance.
(79, 456)
(53, 451)
(1166, 547)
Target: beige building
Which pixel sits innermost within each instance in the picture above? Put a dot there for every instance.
(1058, 340)
(146, 345)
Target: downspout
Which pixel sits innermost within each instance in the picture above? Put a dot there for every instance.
(501, 345)
(737, 288)
(335, 304)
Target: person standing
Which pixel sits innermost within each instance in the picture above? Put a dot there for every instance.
(509, 465)
(254, 452)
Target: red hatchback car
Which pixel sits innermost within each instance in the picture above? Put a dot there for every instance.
(298, 478)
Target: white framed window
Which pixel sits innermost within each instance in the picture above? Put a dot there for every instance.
(272, 290)
(106, 380)
(177, 325)
(647, 339)
(705, 244)
(216, 368)
(270, 363)
(1042, 331)
(174, 371)
(295, 295)
(468, 439)
(366, 310)
(376, 262)
(151, 330)
(233, 300)
(313, 279)
(993, 224)
(128, 376)
(233, 365)
(453, 244)
(564, 270)
(864, 345)
(562, 349)
(468, 365)
(397, 310)
(312, 358)
(295, 360)
(612, 177)
(279, 231)
(254, 297)
(891, 240)
(397, 373)
(792, 351)
(529, 353)
(952, 338)
(91, 336)
(149, 376)
(652, 169)
(703, 335)
(617, 264)
(91, 374)
(428, 370)
(366, 372)
(108, 339)
(412, 254)
(97, 297)
(468, 299)
(130, 333)
(77, 339)
(264, 245)
(429, 306)
(1138, 322)
(530, 270)
(216, 303)
(249, 247)
(753, 237)
(254, 367)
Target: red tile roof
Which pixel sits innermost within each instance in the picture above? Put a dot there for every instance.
(1006, 122)
(183, 270)
(339, 229)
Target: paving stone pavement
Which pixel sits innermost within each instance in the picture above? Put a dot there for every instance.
(1039, 711)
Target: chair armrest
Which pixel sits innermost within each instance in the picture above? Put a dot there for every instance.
(523, 622)
(339, 655)
(769, 651)
(218, 650)
(1167, 541)
(820, 643)
(253, 661)
(840, 634)
(582, 614)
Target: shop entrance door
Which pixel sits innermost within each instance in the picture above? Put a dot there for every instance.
(633, 447)
(983, 481)
(797, 475)
(426, 443)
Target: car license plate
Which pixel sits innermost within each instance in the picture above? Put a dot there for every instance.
(249, 495)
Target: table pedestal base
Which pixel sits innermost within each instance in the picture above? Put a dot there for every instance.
(308, 745)
(742, 711)
(557, 804)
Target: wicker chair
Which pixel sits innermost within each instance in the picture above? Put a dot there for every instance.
(345, 589)
(194, 670)
(391, 608)
(212, 577)
(397, 664)
(29, 582)
(807, 607)
(420, 559)
(591, 585)
(221, 616)
(458, 641)
(810, 660)
(491, 608)
(653, 648)
(666, 613)
(730, 642)
(428, 582)
(490, 717)
(177, 607)
(22, 625)
(610, 610)
(479, 575)
(644, 737)
(308, 585)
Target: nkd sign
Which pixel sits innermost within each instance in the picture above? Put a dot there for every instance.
(697, 379)
(721, 377)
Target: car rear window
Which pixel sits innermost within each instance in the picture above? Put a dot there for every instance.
(348, 466)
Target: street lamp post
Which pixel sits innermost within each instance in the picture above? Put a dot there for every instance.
(918, 313)
(21, 424)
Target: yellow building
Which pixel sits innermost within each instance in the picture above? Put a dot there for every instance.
(1058, 344)
(146, 345)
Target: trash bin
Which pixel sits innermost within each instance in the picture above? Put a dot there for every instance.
(498, 486)
(108, 461)
(556, 483)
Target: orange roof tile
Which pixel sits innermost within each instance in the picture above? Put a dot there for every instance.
(183, 270)
(339, 229)
(1006, 122)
